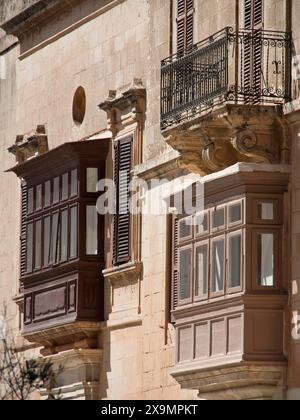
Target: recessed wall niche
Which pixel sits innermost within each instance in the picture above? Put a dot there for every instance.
(79, 106)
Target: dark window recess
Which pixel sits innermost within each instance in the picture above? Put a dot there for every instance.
(185, 24)
(122, 219)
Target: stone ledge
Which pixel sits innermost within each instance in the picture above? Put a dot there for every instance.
(64, 334)
(124, 273)
(130, 321)
(240, 381)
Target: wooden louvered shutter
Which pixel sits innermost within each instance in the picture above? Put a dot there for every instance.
(175, 267)
(185, 24)
(253, 14)
(253, 50)
(23, 228)
(122, 219)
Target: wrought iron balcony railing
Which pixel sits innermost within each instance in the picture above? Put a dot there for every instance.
(245, 67)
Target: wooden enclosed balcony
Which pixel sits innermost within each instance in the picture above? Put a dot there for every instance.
(230, 281)
(62, 242)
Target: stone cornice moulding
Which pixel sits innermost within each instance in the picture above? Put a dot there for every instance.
(124, 274)
(30, 145)
(27, 19)
(243, 381)
(125, 106)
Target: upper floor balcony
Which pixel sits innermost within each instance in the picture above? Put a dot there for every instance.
(244, 67)
(208, 93)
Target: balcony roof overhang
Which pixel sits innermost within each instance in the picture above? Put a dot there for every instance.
(62, 156)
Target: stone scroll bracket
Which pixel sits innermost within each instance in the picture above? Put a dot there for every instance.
(250, 134)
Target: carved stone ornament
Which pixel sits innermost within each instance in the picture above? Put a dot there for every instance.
(125, 106)
(230, 135)
(30, 145)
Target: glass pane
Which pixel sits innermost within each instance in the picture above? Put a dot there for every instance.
(91, 230)
(54, 238)
(185, 274)
(266, 260)
(56, 190)
(74, 183)
(185, 228)
(235, 213)
(201, 271)
(47, 226)
(47, 193)
(218, 218)
(38, 245)
(64, 236)
(235, 255)
(266, 211)
(30, 200)
(202, 223)
(38, 199)
(73, 233)
(65, 187)
(91, 180)
(218, 266)
(29, 248)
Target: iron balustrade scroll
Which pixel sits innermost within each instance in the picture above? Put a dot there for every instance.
(245, 67)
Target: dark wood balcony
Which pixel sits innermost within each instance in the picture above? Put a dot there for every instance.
(62, 241)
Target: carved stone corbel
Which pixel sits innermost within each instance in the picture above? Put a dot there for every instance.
(30, 145)
(256, 134)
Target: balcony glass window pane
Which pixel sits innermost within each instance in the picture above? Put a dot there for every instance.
(38, 245)
(54, 238)
(64, 236)
(266, 211)
(235, 255)
(38, 199)
(185, 228)
(47, 229)
(29, 255)
(218, 258)
(74, 183)
(47, 193)
(91, 230)
(30, 200)
(91, 180)
(235, 213)
(201, 271)
(218, 218)
(65, 187)
(73, 233)
(266, 256)
(185, 274)
(202, 223)
(56, 190)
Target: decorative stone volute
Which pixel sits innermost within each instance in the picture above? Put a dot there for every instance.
(125, 106)
(229, 135)
(30, 145)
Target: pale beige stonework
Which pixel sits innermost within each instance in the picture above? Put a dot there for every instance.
(107, 51)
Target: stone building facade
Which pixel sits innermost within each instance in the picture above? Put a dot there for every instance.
(151, 306)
